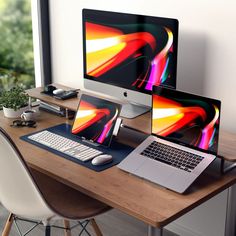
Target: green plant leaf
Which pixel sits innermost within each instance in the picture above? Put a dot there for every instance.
(14, 98)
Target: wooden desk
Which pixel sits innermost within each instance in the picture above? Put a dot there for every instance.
(146, 201)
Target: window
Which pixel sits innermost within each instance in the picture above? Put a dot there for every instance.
(24, 50)
(16, 44)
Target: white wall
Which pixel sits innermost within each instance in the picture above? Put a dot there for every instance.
(206, 63)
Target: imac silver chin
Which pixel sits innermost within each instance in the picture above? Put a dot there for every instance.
(135, 103)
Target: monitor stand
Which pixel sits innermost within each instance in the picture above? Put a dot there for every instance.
(131, 110)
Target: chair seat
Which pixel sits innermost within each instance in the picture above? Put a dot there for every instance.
(66, 201)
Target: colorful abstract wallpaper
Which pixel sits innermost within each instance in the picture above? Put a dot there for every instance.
(186, 118)
(130, 51)
(95, 119)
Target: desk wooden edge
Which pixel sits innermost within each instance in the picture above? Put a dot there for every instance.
(158, 223)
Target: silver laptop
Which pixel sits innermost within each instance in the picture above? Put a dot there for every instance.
(184, 140)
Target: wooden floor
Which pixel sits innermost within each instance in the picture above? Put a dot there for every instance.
(113, 223)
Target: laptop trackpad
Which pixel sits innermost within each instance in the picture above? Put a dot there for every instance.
(155, 172)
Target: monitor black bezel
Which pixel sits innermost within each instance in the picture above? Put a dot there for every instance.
(157, 90)
(171, 22)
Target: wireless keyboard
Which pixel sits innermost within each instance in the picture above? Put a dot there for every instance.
(65, 145)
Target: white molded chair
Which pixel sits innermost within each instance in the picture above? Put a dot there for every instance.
(31, 195)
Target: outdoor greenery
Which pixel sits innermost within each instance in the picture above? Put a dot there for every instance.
(15, 98)
(16, 44)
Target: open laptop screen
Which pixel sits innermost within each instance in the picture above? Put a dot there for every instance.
(186, 119)
(95, 119)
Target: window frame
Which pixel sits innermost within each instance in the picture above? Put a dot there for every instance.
(41, 42)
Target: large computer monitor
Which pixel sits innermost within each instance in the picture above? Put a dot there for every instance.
(125, 55)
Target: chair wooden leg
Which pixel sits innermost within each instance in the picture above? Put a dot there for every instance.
(7, 228)
(67, 226)
(96, 228)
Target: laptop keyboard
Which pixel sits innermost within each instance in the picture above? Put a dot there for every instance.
(172, 156)
(65, 145)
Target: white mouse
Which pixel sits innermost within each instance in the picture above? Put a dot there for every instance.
(102, 159)
(58, 91)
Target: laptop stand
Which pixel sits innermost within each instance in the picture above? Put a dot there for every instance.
(225, 167)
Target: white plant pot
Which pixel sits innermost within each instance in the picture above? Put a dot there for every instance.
(11, 113)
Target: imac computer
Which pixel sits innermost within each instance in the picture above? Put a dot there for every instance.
(125, 55)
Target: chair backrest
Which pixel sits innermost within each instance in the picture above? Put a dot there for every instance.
(18, 191)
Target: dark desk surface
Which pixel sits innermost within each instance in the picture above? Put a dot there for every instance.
(130, 194)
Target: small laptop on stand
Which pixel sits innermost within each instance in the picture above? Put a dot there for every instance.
(93, 125)
(184, 140)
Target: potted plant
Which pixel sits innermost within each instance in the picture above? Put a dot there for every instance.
(14, 102)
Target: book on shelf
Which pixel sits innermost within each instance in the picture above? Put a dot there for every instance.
(57, 110)
(52, 108)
